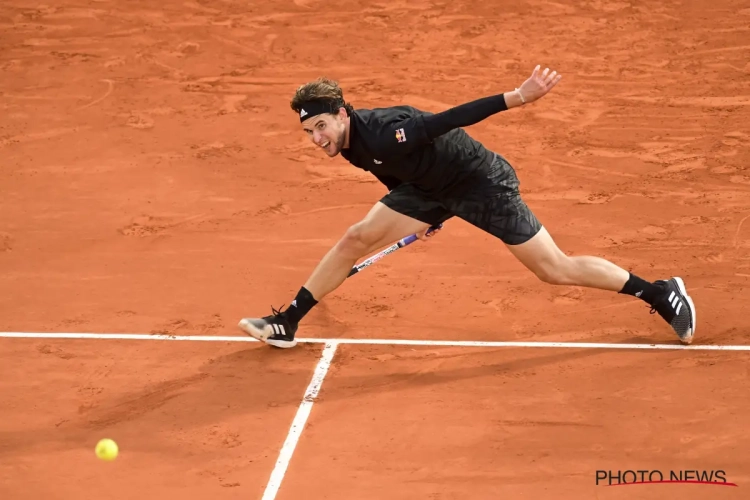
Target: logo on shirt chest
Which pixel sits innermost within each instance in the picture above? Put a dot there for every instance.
(377, 162)
(400, 135)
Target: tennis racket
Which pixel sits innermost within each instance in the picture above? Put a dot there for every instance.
(399, 244)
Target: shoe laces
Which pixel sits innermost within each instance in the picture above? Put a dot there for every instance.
(662, 284)
(654, 308)
(279, 312)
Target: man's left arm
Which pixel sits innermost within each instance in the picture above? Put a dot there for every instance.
(403, 136)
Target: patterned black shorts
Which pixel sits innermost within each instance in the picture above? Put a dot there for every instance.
(491, 201)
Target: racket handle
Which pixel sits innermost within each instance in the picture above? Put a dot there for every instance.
(400, 244)
(413, 237)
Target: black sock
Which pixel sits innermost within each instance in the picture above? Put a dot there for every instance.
(637, 287)
(300, 306)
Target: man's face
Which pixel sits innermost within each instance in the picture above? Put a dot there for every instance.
(327, 131)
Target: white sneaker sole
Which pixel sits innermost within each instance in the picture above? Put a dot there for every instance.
(683, 291)
(264, 334)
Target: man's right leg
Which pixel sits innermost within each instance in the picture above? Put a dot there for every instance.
(381, 226)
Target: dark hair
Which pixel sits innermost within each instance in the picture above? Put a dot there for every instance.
(323, 89)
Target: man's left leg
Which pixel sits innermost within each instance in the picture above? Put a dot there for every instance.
(669, 297)
(495, 206)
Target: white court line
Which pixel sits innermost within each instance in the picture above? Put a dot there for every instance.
(446, 343)
(299, 421)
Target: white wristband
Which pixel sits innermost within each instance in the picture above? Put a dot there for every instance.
(523, 101)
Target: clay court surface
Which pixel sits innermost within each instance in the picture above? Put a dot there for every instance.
(154, 181)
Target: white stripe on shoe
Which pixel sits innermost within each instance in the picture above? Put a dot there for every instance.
(683, 290)
(675, 302)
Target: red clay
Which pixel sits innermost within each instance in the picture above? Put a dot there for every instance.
(192, 420)
(154, 179)
(491, 423)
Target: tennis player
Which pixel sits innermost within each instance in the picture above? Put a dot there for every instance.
(433, 171)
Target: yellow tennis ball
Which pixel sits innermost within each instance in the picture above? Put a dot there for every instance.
(106, 449)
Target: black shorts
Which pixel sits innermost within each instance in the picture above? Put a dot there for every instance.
(490, 201)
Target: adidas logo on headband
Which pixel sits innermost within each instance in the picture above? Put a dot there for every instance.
(316, 107)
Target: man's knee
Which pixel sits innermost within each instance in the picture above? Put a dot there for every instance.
(359, 239)
(555, 271)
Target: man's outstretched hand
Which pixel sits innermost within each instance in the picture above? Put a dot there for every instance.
(538, 84)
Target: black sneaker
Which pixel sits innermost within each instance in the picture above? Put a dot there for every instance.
(275, 330)
(677, 308)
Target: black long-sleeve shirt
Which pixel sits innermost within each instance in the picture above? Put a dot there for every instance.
(464, 115)
(431, 150)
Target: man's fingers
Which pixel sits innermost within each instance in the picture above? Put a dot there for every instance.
(554, 82)
(426, 235)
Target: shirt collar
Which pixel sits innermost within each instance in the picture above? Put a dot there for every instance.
(353, 137)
